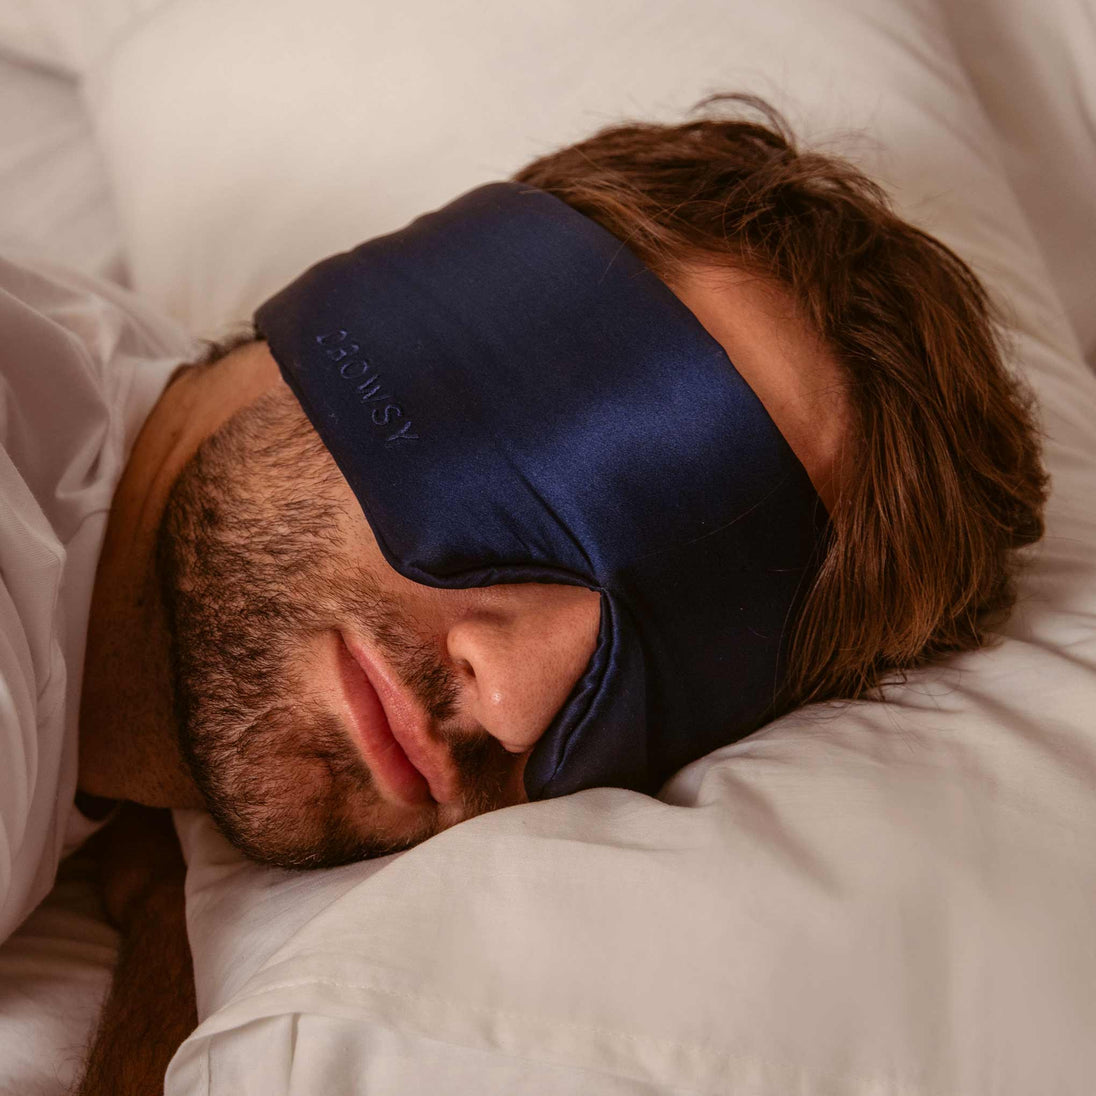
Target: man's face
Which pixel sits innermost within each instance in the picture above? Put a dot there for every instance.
(330, 709)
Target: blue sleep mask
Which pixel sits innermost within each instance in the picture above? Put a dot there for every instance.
(514, 397)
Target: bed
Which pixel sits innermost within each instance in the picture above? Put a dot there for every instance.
(871, 898)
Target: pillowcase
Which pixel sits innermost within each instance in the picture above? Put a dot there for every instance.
(242, 149)
(63, 36)
(1031, 65)
(858, 898)
(55, 201)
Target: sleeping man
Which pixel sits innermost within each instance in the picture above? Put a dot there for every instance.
(565, 485)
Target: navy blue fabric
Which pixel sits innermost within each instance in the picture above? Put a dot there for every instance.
(513, 396)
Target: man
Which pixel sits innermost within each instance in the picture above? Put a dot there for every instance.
(498, 507)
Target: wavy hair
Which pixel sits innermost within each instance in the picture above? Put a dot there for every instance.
(946, 477)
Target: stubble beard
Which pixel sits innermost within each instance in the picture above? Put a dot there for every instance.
(249, 555)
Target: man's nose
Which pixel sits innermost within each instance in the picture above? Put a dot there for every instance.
(519, 655)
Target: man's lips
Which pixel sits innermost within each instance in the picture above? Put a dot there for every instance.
(392, 732)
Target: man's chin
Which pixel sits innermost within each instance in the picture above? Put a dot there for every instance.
(298, 845)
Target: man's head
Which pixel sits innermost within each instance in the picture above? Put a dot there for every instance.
(276, 589)
(279, 595)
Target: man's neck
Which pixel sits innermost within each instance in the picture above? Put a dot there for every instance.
(128, 744)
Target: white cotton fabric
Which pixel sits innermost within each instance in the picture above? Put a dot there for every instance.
(242, 148)
(877, 898)
(81, 365)
(1031, 65)
(64, 36)
(55, 972)
(55, 199)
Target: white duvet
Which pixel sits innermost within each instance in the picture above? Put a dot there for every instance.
(863, 899)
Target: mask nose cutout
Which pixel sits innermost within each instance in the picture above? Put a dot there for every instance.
(521, 656)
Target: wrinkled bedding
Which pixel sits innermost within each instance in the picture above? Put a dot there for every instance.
(858, 899)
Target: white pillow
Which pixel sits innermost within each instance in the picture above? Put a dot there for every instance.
(882, 898)
(66, 36)
(244, 146)
(1032, 66)
(54, 197)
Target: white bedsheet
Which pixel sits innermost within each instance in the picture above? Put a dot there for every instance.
(54, 974)
(54, 202)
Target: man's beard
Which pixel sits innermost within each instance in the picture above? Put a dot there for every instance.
(251, 571)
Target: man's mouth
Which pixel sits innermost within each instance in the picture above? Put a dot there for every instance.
(392, 733)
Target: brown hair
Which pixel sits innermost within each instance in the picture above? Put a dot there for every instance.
(946, 477)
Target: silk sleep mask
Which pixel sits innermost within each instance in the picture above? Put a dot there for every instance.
(514, 397)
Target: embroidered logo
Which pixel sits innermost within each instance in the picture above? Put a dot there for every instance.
(340, 349)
